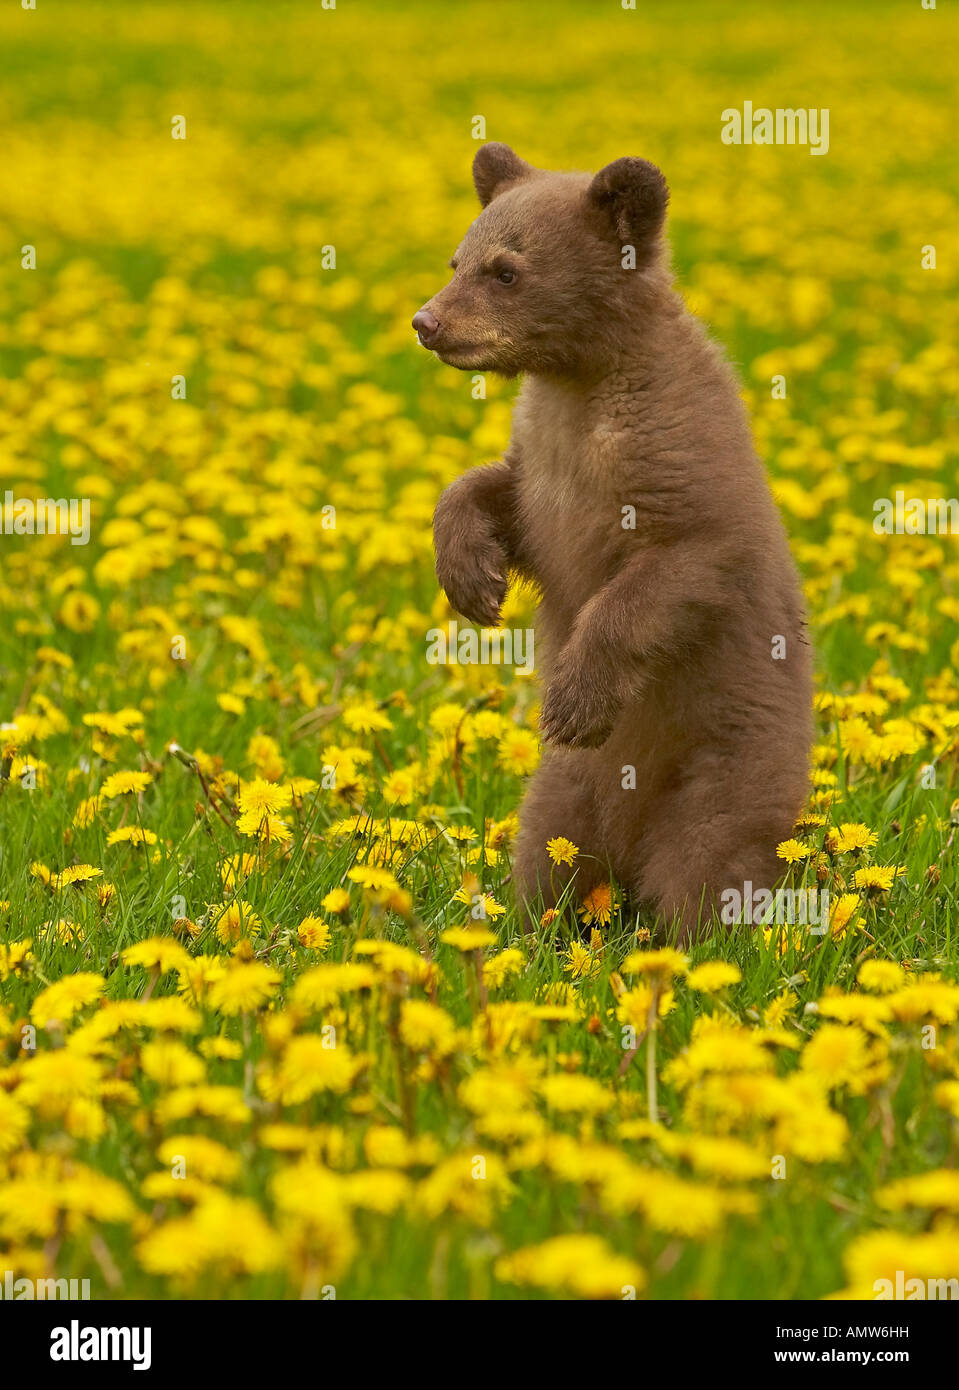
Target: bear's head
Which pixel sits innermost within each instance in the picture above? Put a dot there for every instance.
(549, 275)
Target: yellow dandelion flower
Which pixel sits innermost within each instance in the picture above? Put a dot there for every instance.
(124, 784)
(793, 851)
(713, 976)
(561, 851)
(244, 988)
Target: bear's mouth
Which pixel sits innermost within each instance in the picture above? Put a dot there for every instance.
(451, 352)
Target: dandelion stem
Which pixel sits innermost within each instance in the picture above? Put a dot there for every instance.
(651, 1095)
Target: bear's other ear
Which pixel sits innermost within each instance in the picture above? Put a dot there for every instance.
(494, 167)
(632, 194)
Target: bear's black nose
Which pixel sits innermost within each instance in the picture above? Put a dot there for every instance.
(427, 326)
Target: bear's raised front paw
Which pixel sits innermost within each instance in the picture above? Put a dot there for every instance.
(475, 587)
(576, 714)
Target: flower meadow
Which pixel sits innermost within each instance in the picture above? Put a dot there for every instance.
(270, 1023)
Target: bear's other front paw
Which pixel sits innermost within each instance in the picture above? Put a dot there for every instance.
(476, 586)
(576, 714)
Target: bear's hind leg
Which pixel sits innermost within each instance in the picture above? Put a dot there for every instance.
(691, 855)
(558, 804)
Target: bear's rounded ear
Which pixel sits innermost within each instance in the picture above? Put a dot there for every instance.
(494, 167)
(632, 195)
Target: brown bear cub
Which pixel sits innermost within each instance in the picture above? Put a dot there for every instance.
(678, 679)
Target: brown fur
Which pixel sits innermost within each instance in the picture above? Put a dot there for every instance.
(658, 640)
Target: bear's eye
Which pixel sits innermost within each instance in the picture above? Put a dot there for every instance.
(506, 277)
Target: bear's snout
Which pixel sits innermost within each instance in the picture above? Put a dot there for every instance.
(427, 326)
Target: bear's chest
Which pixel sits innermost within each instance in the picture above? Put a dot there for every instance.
(569, 516)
